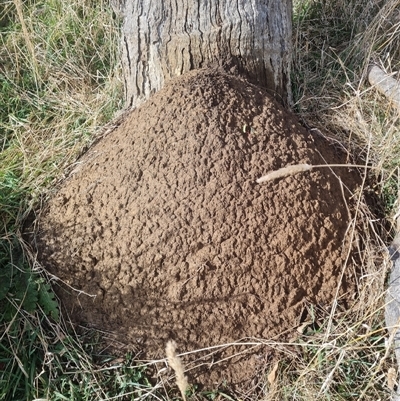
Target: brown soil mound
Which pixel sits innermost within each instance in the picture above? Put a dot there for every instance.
(165, 225)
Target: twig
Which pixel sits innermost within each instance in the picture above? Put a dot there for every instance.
(299, 168)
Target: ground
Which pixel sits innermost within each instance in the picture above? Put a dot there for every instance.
(161, 232)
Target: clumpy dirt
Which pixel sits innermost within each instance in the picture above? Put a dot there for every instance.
(164, 225)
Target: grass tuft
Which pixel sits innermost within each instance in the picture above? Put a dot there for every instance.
(59, 83)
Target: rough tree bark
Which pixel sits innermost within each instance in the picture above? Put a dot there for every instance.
(166, 38)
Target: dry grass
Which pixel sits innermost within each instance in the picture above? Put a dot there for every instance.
(59, 82)
(71, 93)
(284, 172)
(300, 168)
(176, 364)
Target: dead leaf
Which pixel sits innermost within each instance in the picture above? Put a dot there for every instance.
(272, 375)
(301, 329)
(391, 378)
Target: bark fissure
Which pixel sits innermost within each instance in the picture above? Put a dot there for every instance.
(239, 30)
(200, 40)
(138, 63)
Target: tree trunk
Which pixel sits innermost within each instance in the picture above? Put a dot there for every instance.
(166, 38)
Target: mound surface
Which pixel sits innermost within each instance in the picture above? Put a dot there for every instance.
(164, 225)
